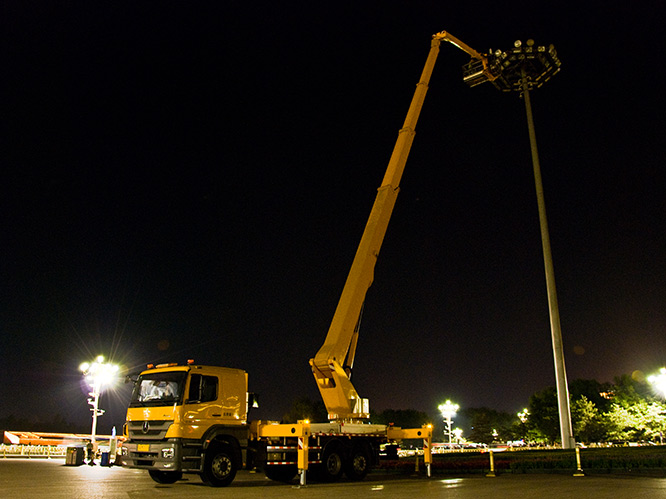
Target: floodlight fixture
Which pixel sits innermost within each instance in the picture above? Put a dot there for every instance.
(535, 63)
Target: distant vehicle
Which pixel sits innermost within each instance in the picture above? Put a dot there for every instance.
(389, 451)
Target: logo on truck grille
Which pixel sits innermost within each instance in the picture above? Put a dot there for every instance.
(145, 427)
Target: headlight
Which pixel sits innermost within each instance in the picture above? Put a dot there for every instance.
(168, 453)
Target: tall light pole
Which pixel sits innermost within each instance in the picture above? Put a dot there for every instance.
(97, 375)
(458, 433)
(524, 416)
(521, 69)
(448, 410)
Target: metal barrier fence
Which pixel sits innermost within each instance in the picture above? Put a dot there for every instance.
(30, 451)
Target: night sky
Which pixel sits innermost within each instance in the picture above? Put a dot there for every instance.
(192, 182)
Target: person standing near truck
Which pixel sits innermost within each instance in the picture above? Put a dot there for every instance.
(90, 450)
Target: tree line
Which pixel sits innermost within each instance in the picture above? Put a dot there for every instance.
(625, 410)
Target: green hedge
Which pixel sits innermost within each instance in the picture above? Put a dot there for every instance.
(597, 460)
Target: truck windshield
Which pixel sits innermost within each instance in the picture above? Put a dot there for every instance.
(159, 389)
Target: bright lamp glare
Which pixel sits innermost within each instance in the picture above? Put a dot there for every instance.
(659, 381)
(106, 374)
(99, 373)
(448, 409)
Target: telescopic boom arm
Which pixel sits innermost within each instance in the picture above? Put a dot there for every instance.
(333, 362)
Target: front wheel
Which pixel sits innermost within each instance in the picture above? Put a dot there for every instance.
(165, 476)
(219, 469)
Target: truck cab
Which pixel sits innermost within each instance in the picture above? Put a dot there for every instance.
(188, 418)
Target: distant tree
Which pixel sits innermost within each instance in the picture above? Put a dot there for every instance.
(544, 421)
(305, 408)
(587, 406)
(488, 425)
(589, 424)
(628, 390)
(642, 420)
(404, 418)
(624, 410)
(598, 394)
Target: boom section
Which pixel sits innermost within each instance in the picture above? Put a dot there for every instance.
(333, 362)
(479, 69)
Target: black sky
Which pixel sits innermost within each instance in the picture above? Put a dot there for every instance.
(192, 182)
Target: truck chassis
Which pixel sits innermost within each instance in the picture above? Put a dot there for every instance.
(281, 450)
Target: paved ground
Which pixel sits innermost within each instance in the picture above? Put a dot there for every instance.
(42, 478)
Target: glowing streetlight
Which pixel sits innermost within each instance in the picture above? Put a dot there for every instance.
(659, 381)
(97, 374)
(448, 410)
(524, 415)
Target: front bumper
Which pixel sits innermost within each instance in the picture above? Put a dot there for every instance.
(162, 455)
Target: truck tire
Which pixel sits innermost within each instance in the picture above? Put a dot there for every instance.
(281, 473)
(331, 463)
(165, 476)
(358, 465)
(219, 468)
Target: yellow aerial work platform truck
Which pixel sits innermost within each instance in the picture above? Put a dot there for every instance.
(193, 418)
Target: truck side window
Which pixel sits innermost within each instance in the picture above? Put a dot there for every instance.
(202, 388)
(208, 388)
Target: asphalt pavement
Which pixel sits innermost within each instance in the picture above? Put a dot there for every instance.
(50, 478)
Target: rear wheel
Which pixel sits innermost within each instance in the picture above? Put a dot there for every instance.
(165, 476)
(331, 463)
(359, 463)
(219, 469)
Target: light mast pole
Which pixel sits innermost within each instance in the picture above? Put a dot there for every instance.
(520, 69)
(566, 431)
